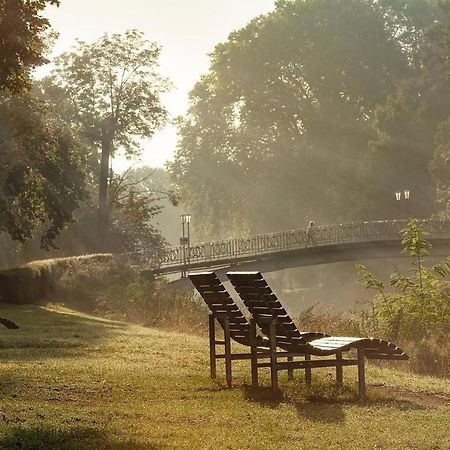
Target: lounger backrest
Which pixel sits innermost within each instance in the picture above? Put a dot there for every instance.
(222, 305)
(263, 304)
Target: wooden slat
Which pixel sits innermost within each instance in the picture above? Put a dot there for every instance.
(204, 278)
(263, 304)
(220, 297)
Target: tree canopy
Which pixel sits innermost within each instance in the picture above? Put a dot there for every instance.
(278, 131)
(411, 126)
(22, 41)
(112, 89)
(41, 180)
(40, 173)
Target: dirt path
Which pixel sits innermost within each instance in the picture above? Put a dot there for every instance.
(423, 398)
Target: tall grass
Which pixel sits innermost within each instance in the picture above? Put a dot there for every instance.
(115, 290)
(428, 355)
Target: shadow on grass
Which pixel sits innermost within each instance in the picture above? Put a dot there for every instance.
(319, 412)
(264, 396)
(325, 403)
(325, 410)
(46, 438)
(45, 333)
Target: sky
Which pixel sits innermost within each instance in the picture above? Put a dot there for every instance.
(187, 30)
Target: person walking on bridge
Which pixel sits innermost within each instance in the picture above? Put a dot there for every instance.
(311, 234)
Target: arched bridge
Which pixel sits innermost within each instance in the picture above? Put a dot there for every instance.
(276, 251)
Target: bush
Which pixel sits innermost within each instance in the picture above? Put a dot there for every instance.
(105, 285)
(37, 281)
(416, 312)
(118, 291)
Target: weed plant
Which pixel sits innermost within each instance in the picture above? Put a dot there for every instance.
(414, 313)
(416, 310)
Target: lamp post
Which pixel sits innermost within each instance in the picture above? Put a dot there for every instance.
(185, 241)
(398, 197)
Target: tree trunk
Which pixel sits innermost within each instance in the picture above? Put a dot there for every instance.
(103, 203)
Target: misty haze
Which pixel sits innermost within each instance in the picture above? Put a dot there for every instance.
(225, 224)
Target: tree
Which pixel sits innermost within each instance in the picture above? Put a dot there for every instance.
(22, 44)
(440, 169)
(155, 183)
(114, 89)
(278, 131)
(440, 164)
(41, 180)
(411, 126)
(134, 208)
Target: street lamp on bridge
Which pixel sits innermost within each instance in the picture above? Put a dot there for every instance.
(398, 197)
(185, 241)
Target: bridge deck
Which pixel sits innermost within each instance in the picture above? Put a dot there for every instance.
(341, 242)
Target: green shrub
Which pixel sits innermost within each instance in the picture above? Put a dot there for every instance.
(106, 285)
(37, 281)
(416, 311)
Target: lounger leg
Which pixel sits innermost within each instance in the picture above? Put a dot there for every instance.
(227, 340)
(212, 346)
(361, 375)
(290, 371)
(253, 351)
(339, 373)
(308, 370)
(273, 357)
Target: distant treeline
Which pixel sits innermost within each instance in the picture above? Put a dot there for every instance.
(321, 109)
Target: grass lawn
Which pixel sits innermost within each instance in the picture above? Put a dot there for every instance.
(72, 381)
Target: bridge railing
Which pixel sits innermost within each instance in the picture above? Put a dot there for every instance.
(234, 249)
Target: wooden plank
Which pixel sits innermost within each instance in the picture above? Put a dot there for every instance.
(228, 314)
(204, 280)
(225, 309)
(212, 347)
(219, 297)
(308, 369)
(290, 369)
(227, 352)
(339, 371)
(273, 358)
(361, 375)
(253, 352)
(312, 364)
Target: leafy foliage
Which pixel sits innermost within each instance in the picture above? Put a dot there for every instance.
(102, 286)
(412, 126)
(41, 179)
(114, 82)
(285, 113)
(22, 41)
(111, 95)
(418, 307)
(132, 227)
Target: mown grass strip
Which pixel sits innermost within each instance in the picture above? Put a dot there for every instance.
(74, 381)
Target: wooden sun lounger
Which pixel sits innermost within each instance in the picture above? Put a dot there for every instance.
(275, 323)
(234, 324)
